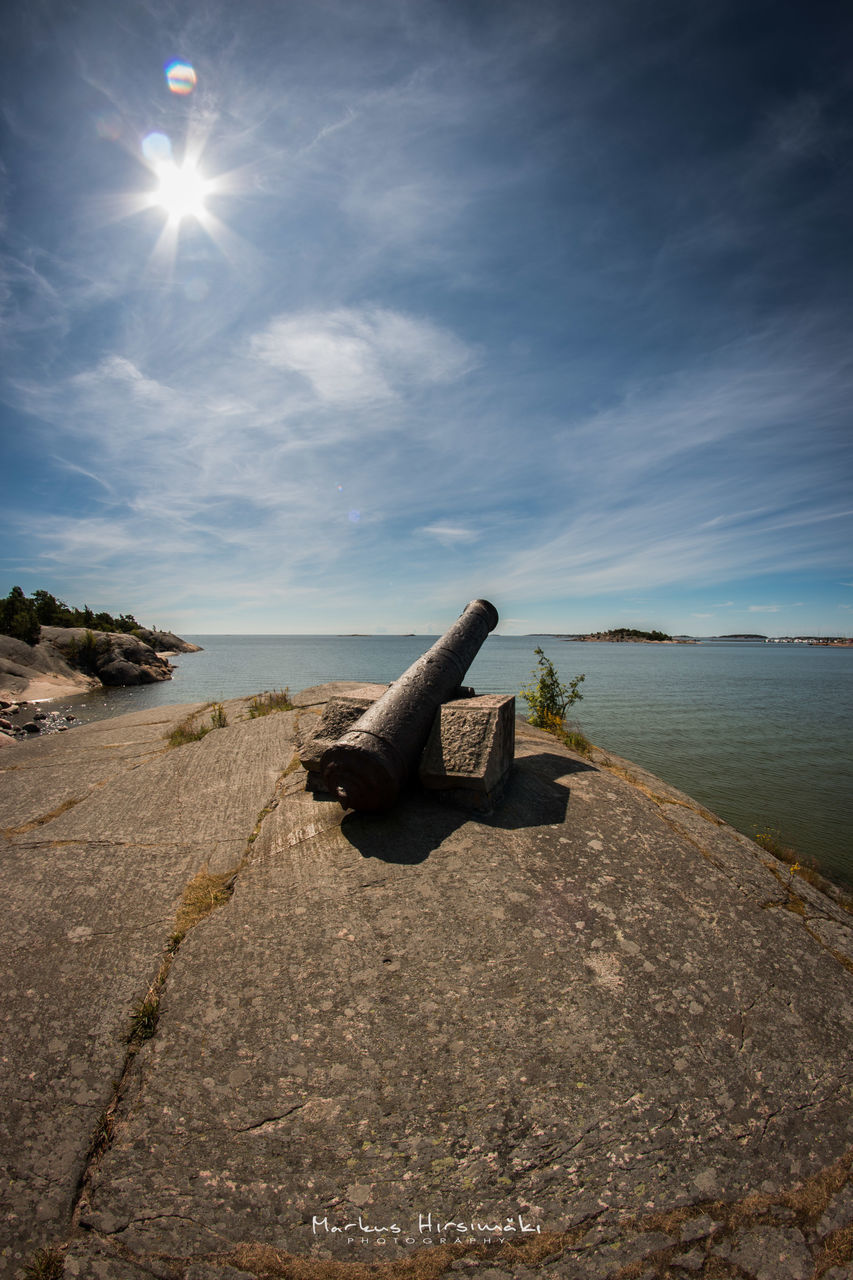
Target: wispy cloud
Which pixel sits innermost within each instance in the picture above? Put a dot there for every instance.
(311, 418)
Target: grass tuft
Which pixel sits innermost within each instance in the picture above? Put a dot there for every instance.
(218, 718)
(203, 894)
(143, 1024)
(568, 734)
(45, 1264)
(578, 742)
(189, 730)
(771, 841)
(104, 1129)
(263, 703)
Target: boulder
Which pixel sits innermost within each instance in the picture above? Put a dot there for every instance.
(76, 658)
(22, 663)
(166, 641)
(119, 672)
(113, 657)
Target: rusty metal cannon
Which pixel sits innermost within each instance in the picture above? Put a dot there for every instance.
(369, 763)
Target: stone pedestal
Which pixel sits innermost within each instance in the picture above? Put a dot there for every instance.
(468, 758)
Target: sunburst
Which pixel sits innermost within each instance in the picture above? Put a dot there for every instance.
(179, 190)
(182, 190)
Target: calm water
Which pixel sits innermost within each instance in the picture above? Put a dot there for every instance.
(761, 734)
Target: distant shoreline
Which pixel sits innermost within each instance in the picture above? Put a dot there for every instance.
(833, 642)
(594, 639)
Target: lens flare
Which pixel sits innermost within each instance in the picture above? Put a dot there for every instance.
(108, 126)
(156, 148)
(180, 77)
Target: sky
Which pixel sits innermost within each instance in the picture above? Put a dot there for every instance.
(332, 315)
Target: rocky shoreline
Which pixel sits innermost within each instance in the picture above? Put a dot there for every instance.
(69, 660)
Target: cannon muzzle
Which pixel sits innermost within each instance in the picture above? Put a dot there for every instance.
(368, 765)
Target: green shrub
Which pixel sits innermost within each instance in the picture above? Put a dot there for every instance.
(88, 653)
(548, 699)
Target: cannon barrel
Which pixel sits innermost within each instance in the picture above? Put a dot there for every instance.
(368, 764)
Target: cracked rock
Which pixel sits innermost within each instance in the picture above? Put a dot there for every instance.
(576, 1011)
(773, 1253)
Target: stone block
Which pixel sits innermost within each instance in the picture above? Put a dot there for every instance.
(470, 751)
(339, 714)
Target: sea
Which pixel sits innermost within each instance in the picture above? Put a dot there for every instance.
(761, 734)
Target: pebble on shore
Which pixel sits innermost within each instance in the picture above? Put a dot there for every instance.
(22, 720)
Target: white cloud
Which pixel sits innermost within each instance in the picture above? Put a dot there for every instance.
(449, 535)
(773, 608)
(353, 356)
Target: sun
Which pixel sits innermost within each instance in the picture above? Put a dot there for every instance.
(182, 191)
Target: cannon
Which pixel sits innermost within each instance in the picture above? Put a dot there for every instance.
(369, 763)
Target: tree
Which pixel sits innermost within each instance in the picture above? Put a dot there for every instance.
(18, 617)
(50, 611)
(21, 617)
(548, 699)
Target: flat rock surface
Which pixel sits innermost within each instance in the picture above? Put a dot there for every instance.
(598, 1033)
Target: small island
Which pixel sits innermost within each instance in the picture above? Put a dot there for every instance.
(628, 635)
